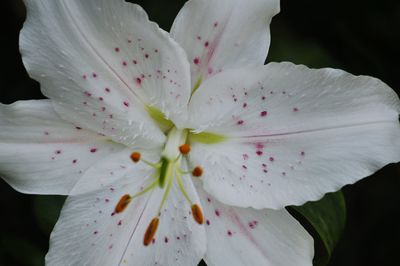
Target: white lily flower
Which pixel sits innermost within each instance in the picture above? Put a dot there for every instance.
(174, 149)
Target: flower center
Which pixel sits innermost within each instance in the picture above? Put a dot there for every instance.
(168, 169)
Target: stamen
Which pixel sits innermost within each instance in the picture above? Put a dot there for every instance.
(123, 203)
(197, 214)
(151, 231)
(184, 149)
(197, 171)
(135, 156)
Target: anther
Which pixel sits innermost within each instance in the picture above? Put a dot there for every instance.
(135, 156)
(184, 149)
(197, 214)
(123, 203)
(197, 171)
(151, 231)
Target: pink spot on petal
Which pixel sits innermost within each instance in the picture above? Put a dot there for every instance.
(126, 104)
(229, 232)
(295, 109)
(116, 49)
(271, 159)
(74, 161)
(206, 44)
(259, 153)
(217, 213)
(196, 61)
(138, 81)
(93, 150)
(263, 113)
(208, 222)
(240, 122)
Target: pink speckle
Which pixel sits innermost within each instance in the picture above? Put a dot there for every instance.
(208, 222)
(103, 109)
(146, 56)
(124, 63)
(263, 113)
(107, 90)
(196, 61)
(259, 153)
(78, 128)
(101, 99)
(58, 151)
(271, 159)
(134, 62)
(263, 98)
(84, 77)
(215, 24)
(74, 161)
(206, 44)
(283, 173)
(119, 222)
(156, 50)
(245, 157)
(295, 109)
(110, 246)
(138, 81)
(166, 239)
(229, 232)
(244, 167)
(178, 238)
(88, 94)
(126, 103)
(116, 49)
(210, 70)
(95, 232)
(199, 38)
(302, 153)
(94, 75)
(253, 224)
(244, 105)
(93, 150)
(240, 122)
(217, 213)
(46, 133)
(208, 199)
(107, 200)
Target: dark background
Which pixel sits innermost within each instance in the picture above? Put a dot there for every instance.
(361, 37)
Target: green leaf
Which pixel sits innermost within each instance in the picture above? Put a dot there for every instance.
(47, 209)
(325, 219)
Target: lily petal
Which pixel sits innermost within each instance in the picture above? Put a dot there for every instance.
(103, 63)
(42, 154)
(223, 34)
(294, 133)
(103, 237)
(254, 237)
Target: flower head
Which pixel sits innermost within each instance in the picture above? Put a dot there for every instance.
(161, 141)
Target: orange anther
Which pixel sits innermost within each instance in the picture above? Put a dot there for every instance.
(135, 156)
(184, 148)
(197, 171)
(123, 203)
(197, 214)
(151, 231)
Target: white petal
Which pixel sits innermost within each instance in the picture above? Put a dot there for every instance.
(323, 129)
(88, 233)
(223, 34)
(102, 62)
(42, 154)
(238, 236)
